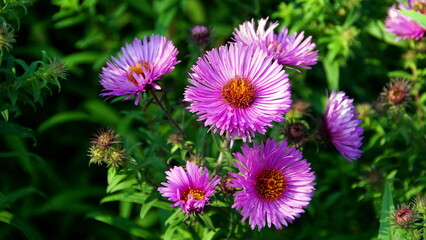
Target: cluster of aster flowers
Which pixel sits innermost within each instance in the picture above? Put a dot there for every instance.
(402, 26)
(238, 90)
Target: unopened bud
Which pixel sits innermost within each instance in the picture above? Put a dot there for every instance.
(200, 35)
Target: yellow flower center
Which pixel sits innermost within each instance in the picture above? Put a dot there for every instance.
(195, 193)
(270, 184)
(137, 68)
(396, 96)
(238, 92)
(420, 6)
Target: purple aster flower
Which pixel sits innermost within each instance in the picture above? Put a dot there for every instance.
(238, 90)
(287, 49)
(403, 26)
(138, 66)
(277, 184)
(189, 189)
(341, 126)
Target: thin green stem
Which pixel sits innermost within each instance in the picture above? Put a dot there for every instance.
(167, 113)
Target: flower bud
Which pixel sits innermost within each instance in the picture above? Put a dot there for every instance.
(396, 92)
(404, 215)
(7, 37)
(200, 35)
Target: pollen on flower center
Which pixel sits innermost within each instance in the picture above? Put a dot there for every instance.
(396, 96)
(238, 92)
(137, 68)
(420, 6)
(195, 193)
(270, 184)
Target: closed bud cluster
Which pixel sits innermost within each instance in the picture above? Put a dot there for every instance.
(7, 37)
(52, 71)
(420, 204)
(364, 110)
(105, 149)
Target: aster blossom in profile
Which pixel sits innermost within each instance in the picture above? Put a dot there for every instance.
(190, 189)
(276, 184)
(239, 90)
(292, 50)
(341, 126)
(403, 26)
(138, 66)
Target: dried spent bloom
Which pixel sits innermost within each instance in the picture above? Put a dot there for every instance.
(224, 185)
(403, 26)
(238, 90)
(295, 131)
(404, 215)
(341, 127)
(7, 37)
(138, 66)
(175, 138)
(105, 138)
(200, 35)
(196, 158)
(396, 92)
(276, 184)
(190, 189)
(299, 109)
(292, 50)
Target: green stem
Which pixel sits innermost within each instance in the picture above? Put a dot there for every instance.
(167, 113)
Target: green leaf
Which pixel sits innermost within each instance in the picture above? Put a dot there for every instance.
(63, 117)
(118, 182)
(16, 130)
(134, 197)
(331, 67)
(146, 207)
(25, 228)
(416, 16)
(12, 197)
(5, 114)
(123, 224)
(207, 221)
(101, 112)
(387, 204)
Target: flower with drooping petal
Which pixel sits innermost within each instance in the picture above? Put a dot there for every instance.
(341, 126)
(238, 89)
(189, 189)
(138, 66)
(276, 184)
(403, 26)
(292, 50)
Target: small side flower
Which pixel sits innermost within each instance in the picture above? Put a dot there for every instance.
(190, 189)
